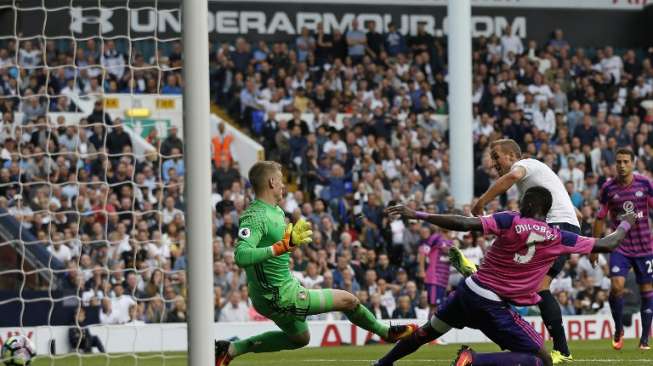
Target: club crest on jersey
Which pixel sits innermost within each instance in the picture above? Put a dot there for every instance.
(629, 206)
(639, 194)
(244, 233)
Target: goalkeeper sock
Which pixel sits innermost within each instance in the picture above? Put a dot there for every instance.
(617, 308)
(552, 318)
(364, 318)
(265, 342)
(647, 314)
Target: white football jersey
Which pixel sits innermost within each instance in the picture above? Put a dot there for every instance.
(539, 174)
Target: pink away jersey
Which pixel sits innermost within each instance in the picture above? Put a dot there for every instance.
(434, 248)
(638, 198)
(522, 254)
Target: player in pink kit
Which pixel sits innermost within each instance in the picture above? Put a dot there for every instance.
(524, 249)
(436, 275)
(629, 192)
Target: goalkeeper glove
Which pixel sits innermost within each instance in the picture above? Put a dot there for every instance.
(295, 235)
(301, 233)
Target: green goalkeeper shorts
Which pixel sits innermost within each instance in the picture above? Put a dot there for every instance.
(289, 306)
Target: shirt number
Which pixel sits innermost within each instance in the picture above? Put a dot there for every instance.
(649, 264)
(532, 239)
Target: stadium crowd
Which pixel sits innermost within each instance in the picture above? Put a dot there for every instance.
(377, 135)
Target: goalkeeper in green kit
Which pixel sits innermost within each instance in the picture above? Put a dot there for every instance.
(264, 243)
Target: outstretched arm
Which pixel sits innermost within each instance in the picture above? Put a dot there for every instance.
(612, 241)
(449, 222)
(498, 188)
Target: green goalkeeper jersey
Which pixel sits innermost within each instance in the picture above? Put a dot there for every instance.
(261, 225)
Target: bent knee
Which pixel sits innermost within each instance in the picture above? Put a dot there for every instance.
(351, 302)
(617, 290)
(301, 340)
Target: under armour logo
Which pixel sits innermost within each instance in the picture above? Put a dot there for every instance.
(77, 20)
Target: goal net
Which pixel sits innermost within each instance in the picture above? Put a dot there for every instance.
(92, 248)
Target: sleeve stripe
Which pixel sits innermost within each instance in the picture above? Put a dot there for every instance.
(568, 239)
(504, 220)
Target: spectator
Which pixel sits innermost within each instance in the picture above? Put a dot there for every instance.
(471, 250)
(235, 310)
(117, 140)
(611, 66)
(172, 85)
(178, 312)
(558, 41)
(249, 102)
(112, 60)
(586, 132)
(510, 43)
(135, 316)
(312, 279)
(566, 305)
(375, 306)
(155, 311)
(305, 44)
(171, 141)
(573, 174)
(357, 41)
(324, 45)
(80, 337)
(59, 249)
(576, 197)
(29, 57)
(422, 309)
(374, 40)
(241, 56)
(422, 41)
(404, 309)
(32, 109)
(23, 214)
(120, 303)
(175, 163)
(107, 315)
(394, 43)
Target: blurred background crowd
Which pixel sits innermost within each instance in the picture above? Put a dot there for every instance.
(358, 120)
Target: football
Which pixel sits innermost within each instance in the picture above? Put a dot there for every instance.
(18, 350)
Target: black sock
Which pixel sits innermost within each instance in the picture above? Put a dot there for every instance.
(553, 320)
(424, 335)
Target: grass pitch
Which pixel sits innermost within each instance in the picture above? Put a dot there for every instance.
(584, 352)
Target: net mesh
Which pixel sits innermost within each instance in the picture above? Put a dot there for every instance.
(91, 227)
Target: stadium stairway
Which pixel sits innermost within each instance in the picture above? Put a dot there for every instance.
(42, 283)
